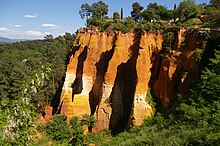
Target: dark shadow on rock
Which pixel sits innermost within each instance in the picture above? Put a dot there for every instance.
(56, 99)
(186, 69)
(122, 95)
(95, 95)
(77, 85)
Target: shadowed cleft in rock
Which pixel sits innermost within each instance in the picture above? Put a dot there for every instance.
(95, 95)
(122, 95)
(77, 85)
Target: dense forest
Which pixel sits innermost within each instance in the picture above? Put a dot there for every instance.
(32, 74)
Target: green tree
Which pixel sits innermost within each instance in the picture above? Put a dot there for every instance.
(19, 126)
(161, 11)
(174, 13)
(89, 121)
(69, 39)
(116, 16)
(58, 129)
(188, 9)
(215, 3)
(136, 11)
(48, 37)
(153, 6)
(211, 10)
(77, 131)
(94, 13)
(85, 11)
(155, 11)
(148, 14)
(99, 9)
(121, 13)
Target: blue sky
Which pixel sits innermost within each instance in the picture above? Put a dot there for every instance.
(33, 19)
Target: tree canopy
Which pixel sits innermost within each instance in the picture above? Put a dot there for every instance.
(116, 16)
(215, 3)
(85, 11)
(136, 11)
(93, 12)
(188, 9)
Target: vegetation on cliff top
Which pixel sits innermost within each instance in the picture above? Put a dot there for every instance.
(153, 18)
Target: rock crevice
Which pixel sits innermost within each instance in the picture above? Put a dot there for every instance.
(122, 95)
(77, 85)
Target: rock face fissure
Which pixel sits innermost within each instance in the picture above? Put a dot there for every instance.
(56, 100)
(122, 95)
(77, 85)
(74, 49)
(156, 61)
(109, 75)
(95, 95)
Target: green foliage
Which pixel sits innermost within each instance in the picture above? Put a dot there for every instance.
(106, 25)
(124, 26)
(97, 138)
(30, 74)
(150, 100)
(156, 12)
(215, 3)
(136, 11)
(186, 14)
(62, 132)
(19, 126)
(48, 37)
(85, 11)
(58, 129)
(148, 14)
(193, 21)
(188, 9)
(215, 23)
(210, 10)
(116, 16)
(97, 11)
(93, 21)
(169, 38)
(88, 121)
(197, 55)
(17, 61)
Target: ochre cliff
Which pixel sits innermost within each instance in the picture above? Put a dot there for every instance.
(178, 69)
(109, 74)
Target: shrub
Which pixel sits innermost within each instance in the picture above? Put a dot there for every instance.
(193, 21)
(197, 55)
(58, 129)
(150, 99)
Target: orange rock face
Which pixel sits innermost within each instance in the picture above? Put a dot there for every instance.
(178, 69)
(109, 74)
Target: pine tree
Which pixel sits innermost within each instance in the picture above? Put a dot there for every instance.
(121, 13)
